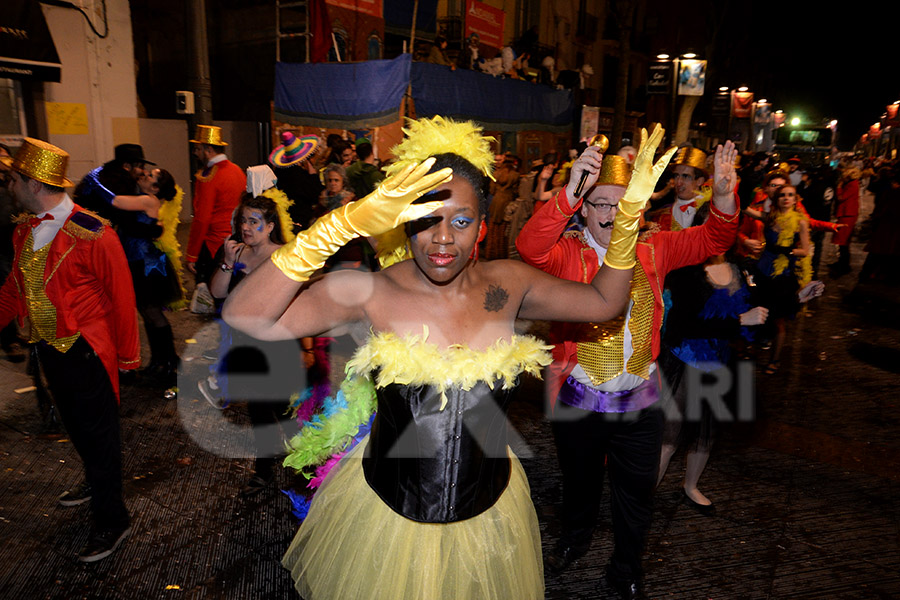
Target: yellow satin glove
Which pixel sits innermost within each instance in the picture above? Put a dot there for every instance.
(626, 225)
(381, 211)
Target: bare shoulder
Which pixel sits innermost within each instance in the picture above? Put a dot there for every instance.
(512, 272)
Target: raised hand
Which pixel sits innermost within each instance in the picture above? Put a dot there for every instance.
(379, 212)
(391, 204)
(588, 162)
(646, 173)
(724, 175)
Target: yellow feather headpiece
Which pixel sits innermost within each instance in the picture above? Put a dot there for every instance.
(437, 135)
(282, 204)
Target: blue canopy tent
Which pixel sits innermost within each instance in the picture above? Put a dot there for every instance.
(341, 95)
(497, 104)
(369, 94)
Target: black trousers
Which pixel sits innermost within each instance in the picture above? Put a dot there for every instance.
(206, 266)
(628, 446)
(88, 408)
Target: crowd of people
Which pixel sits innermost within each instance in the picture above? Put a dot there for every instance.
(524, 60)
(656, 273)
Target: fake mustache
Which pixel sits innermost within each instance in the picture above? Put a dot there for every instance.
(606, 224)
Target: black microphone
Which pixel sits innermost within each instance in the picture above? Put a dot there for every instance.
(602, 142)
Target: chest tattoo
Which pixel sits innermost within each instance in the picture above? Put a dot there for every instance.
(495, 298)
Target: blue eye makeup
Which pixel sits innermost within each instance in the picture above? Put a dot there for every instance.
(461, 222)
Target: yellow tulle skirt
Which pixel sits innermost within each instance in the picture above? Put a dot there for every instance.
(353, 546)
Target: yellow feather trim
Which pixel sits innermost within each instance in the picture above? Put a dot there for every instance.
(282, 204)
(428, 137)
(705, 195)
(169, 217)
(788, 225)
(199, 176)
(410, 360)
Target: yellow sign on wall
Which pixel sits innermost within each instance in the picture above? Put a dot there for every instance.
(66, 118)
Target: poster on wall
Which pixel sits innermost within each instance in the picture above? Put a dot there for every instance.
(486, 21)
(762, 113)
(659, 79)
(66, 118)
(691, 77)
(590, 122)
(741, 105)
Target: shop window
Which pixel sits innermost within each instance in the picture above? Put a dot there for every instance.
(12, 117)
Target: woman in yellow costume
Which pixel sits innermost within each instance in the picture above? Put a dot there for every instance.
(786, 262)
(432, 504)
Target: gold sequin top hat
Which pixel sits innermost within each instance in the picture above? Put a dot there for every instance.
(690, 156)
(40, 161)
(614, 170)
(209, 134)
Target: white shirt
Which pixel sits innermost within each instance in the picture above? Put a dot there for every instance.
(215, 160)
(684, 218)
(625, 381)
(44, 233)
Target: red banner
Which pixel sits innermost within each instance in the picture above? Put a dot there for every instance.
(892, 111)
(779, 119)
(741, 105)
(486, 21)
(875, 131)
(366, 7)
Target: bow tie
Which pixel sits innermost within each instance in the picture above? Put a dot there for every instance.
(684, 207)
(35, 220)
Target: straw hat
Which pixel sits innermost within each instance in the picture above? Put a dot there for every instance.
(614, 170)
(293, 149)
(40, 161)
(209, 134)
(690, 156)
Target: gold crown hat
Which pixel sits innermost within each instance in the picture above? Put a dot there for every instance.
(614, 170)
(40, 161)
(690, 156)
(209, 134)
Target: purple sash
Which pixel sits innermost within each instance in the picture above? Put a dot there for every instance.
(576, 394)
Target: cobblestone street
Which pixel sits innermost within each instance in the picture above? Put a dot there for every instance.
(806, 493)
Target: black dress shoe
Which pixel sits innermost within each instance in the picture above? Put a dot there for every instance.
(102, 543)
(626, 589)
(707, 510)
(563, 557)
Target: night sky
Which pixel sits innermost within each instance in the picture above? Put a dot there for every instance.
(814, 60)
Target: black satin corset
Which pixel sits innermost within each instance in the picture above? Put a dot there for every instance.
(439, 466)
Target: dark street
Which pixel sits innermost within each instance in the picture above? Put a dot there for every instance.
(806, 493)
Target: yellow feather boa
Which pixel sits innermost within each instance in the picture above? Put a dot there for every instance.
(282, 204)
(169, 217)
(788, 225)
(410, 360)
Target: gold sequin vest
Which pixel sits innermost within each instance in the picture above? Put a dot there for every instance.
(601, 346)
(41, 312)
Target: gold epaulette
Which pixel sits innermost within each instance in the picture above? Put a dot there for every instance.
(86, 225)
(574, 233)
(22, 217)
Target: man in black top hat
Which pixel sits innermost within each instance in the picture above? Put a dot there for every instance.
(120, 176)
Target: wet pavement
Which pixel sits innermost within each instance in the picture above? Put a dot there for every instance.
(806, 493)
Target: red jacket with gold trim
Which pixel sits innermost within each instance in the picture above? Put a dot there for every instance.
(543, 245)
(88, 282)
(216, 195)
